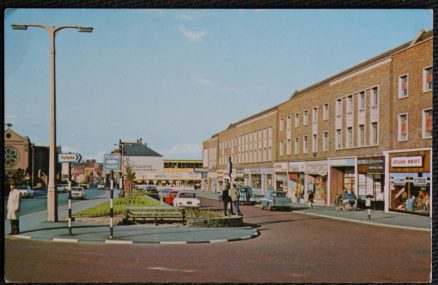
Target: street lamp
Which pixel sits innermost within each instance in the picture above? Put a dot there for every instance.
(52, 198)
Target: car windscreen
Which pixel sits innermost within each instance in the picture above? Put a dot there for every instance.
(187, 195)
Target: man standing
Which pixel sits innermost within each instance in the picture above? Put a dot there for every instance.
(235, 197)
(13, 209)
(226, 199)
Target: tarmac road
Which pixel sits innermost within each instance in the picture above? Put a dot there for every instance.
(291, 248)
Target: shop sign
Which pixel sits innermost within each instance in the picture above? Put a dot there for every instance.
(317, 170)
(407, 161)
(342, 162)
(296, 167)
(371, 164)
(399, 181)
(280, 167)
(293, 176)
(420, 181)
(266, 170)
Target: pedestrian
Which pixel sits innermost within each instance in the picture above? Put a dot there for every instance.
(226, 200)
(310, 199)
(13, 209)
(235, 197)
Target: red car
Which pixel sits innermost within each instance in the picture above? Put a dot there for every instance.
(170, 196)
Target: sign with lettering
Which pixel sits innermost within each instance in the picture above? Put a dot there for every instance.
(407, 161)
(371, 164)
(420, 181)
(280, 167)
(69, 157)
(111, 161)
(296, 167)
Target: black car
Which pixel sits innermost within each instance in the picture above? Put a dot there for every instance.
(152, 191)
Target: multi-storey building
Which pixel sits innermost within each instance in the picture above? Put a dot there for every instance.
(367, 129)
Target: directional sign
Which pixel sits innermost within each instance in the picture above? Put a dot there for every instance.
(111, 162)
(69, 157)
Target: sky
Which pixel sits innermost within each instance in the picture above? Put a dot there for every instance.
(175, 77)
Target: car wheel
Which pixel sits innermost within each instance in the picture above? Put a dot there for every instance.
(270, 207)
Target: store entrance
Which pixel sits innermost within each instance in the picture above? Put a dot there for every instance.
(341, 178)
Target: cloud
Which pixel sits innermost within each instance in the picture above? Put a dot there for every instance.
(191, 36)
(204, 82)
(185, 17)
(183, 151)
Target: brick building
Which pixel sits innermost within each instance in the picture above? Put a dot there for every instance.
(367, 129)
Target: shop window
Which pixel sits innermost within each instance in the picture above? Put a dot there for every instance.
(403, 86)
(361, 134)
(374, 133)
(427, 79)
(297, 146)
(374, 97)
(325, 112)
(305, 146)
(403, 127)
(297, 120)
(361, 100)
(305, 118)
(325, 141)
(427, 124)
(410, 192)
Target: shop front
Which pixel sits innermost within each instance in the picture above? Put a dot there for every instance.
(260, 179)
(240, 178)
(410, 182)
(342, 177)
(296, 181)
(371, 182)
(280, 169)
(316, 180)
(212, 185)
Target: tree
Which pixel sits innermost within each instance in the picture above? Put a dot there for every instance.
(130, 176)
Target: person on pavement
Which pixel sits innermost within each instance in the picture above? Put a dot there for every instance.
(13, 209)
(235, 197)
(226, 200)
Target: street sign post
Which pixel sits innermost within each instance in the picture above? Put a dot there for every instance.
(69, 157)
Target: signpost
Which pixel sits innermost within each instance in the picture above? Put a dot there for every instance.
(69, 157)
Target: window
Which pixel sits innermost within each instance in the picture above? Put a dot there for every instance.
(361, 100)
(315, 143)
(305, 144)
(297, 145)
(281, 124)
(427, 79)
(305, 118)
(297, 120)
(288, 123)
(374, 96)
(374, 133)
(403, 86)
(281, 148)
(427, 124)
(361, 138)
(350, 104)
(325, 112)
(403, 127)
(315, 115)
(288, 147)
(338, 138)
(349, 137)
(325, 141)
(339, 107)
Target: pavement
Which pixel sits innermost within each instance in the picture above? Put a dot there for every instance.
(36, 227)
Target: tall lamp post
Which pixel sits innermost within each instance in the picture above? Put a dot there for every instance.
(52, 198)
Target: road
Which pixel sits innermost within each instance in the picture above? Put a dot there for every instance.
(291, 248)
(39, 203)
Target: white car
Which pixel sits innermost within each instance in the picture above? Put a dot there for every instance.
(78, 192)
(100, 187)
(62, 187)
(26, 191)
(186, 199)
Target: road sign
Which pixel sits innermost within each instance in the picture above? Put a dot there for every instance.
(69, 157)
(111, 162)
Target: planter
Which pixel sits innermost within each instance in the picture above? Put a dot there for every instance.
(219, 222)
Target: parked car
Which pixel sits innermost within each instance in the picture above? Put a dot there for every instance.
(164, 192)
(276, 200)
(62, 187)
(152, 191)
(186, 199)
(170, 197)
(26, 191)
(78, 192)
(246, 195)
(100, 186)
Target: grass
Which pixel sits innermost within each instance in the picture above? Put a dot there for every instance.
(138, 199)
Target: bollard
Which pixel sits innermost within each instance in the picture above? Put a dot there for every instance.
(69, 207)
(369, 214)
(111, 205)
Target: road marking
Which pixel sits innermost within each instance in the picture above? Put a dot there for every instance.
(171, 269)
(173, 242)
(20, 237)
(65, 240)
(119, 241)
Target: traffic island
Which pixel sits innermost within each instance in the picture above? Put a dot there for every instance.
(217, 222)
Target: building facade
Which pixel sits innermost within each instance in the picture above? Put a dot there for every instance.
(367, 130)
